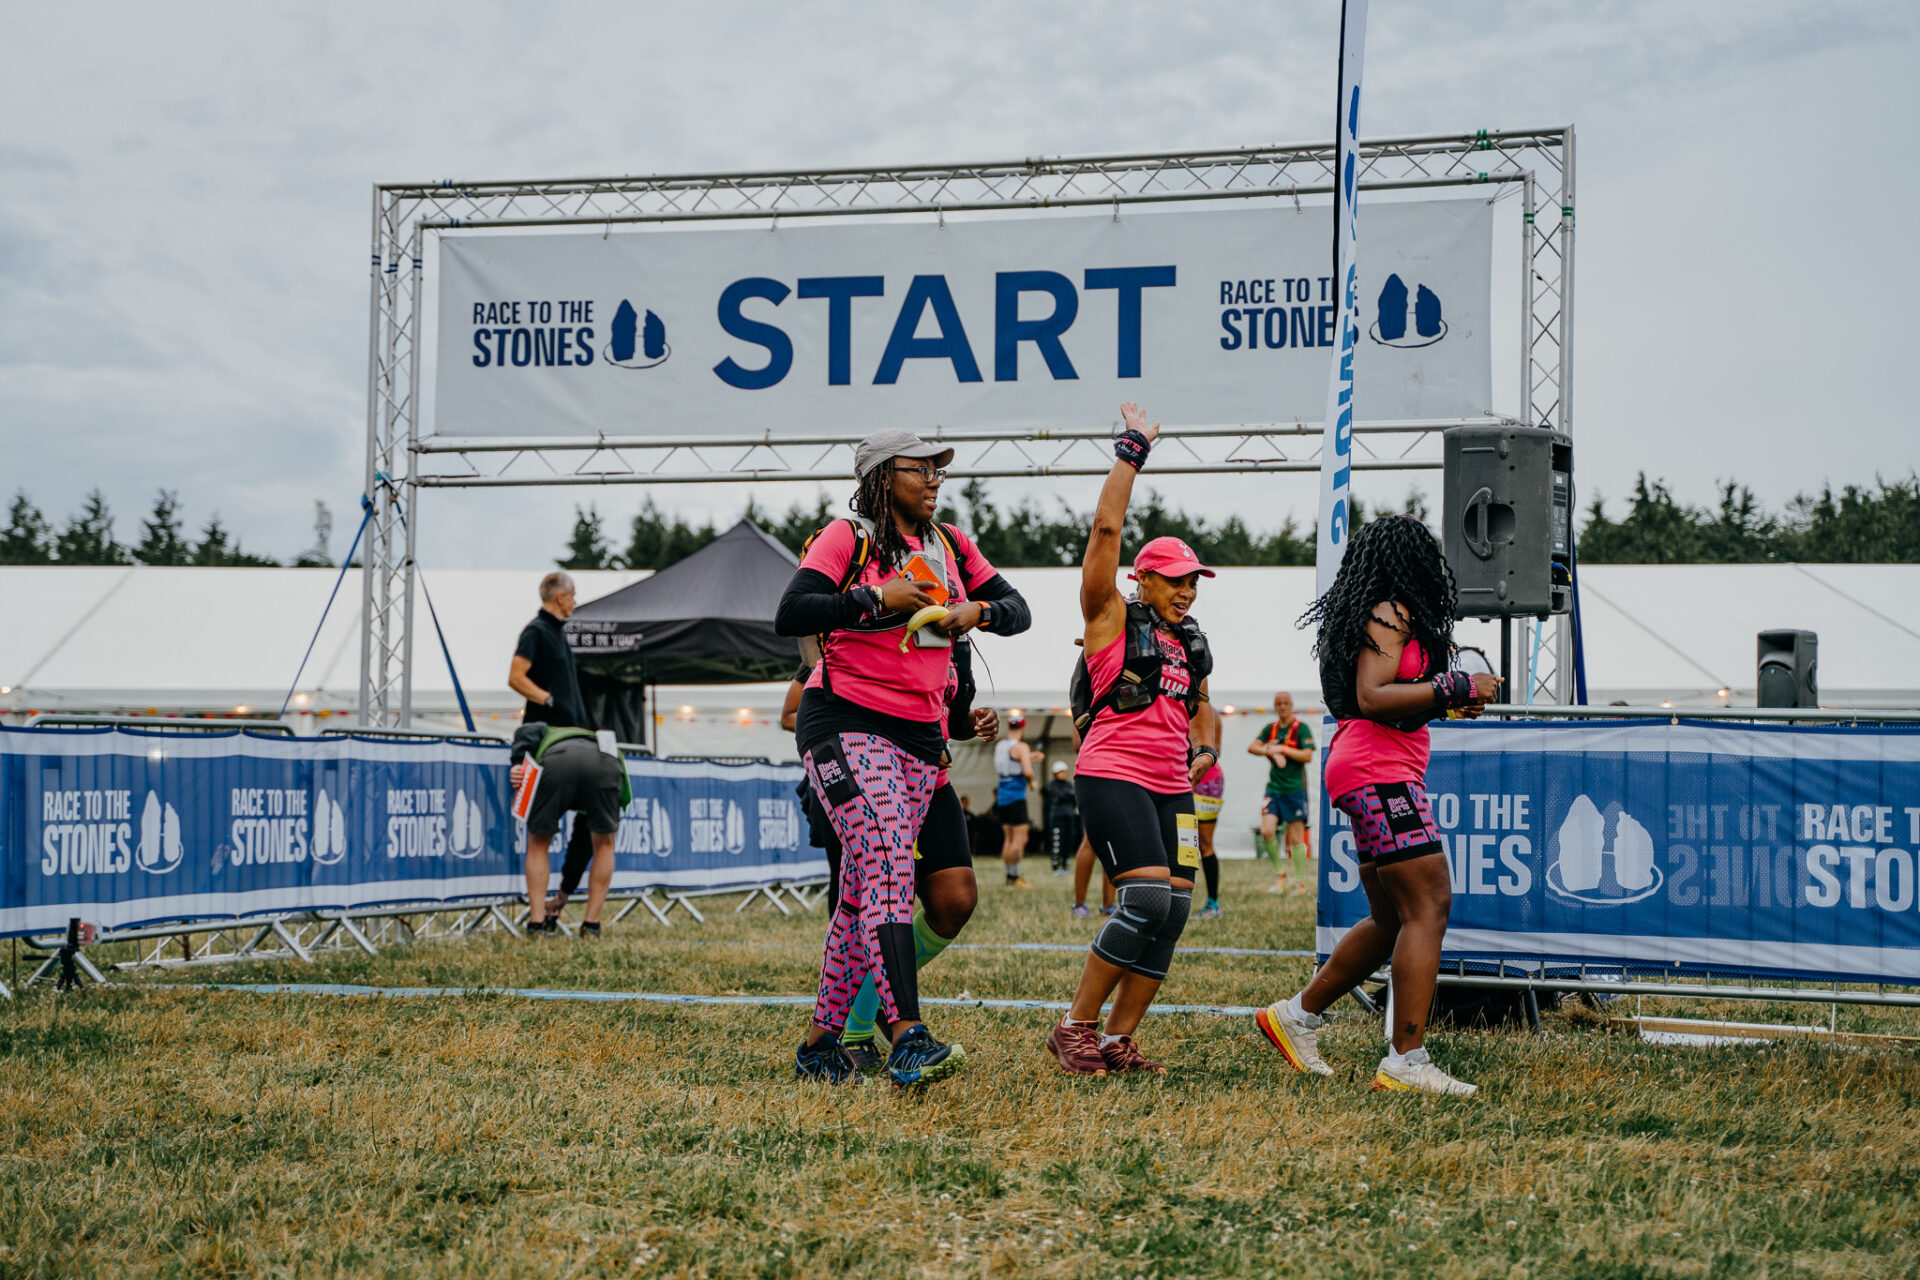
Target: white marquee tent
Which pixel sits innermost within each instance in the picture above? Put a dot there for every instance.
(213, 640)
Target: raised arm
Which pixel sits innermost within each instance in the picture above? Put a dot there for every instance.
(1101, 604)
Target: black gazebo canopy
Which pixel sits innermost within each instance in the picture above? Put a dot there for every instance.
(707, 619)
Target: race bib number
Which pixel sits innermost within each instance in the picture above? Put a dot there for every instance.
(1188, 827)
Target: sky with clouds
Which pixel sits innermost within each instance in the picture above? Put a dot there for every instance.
(184, 196)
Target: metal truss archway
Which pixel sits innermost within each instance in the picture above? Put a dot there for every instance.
(401, 460)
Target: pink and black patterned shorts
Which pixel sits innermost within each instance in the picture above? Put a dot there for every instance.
(1391, 822)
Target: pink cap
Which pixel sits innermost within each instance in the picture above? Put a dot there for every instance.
(1170, 558)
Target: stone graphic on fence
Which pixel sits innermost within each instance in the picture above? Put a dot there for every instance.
(468, 836)
(329, 830)
(1585, 857)
(159, 851)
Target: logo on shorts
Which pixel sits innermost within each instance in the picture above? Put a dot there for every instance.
(1398, 806)
(1601, 867)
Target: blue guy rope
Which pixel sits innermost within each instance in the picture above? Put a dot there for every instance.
(458, 692)
(366, 505)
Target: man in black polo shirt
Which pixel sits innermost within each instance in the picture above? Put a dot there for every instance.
(542, 671)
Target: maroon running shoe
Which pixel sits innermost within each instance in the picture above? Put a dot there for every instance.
(1123, 1054)
(1077, 1049)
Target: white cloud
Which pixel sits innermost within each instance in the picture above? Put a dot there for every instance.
(184, 193)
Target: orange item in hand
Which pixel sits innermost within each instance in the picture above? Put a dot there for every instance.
(932, 583)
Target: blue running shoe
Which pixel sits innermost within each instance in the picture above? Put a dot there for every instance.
(920, 1059)
(825, 1061)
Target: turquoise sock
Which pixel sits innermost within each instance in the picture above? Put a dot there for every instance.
(866, 1002)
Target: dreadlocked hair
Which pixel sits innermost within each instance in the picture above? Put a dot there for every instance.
(874, 500)
(1397, 559)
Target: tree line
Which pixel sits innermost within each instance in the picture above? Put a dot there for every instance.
(87, 538)
(1857, 525)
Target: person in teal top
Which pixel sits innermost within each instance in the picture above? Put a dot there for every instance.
(1287, 745)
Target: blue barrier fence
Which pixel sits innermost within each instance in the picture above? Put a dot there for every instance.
(124, 827)
(1684, 846)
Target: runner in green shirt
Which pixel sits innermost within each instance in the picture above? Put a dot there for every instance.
(1287, 744)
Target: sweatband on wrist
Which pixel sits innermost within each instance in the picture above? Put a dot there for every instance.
(1452, 689)
(1132, 448)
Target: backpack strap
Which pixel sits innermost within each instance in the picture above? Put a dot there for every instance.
(856, 565)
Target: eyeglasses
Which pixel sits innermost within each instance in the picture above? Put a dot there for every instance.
(929, 475)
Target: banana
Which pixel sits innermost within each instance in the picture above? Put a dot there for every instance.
(932, 613)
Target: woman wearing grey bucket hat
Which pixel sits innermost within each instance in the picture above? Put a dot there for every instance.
(883, 598)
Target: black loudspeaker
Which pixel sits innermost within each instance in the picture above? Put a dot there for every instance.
(1788, 674)
(1507, 520)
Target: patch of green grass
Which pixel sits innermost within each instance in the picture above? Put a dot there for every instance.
(149, 1129)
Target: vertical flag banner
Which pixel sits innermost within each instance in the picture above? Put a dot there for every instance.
(1336, 448)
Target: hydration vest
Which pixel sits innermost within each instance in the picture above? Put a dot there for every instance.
(813, 649)
(1138, 684)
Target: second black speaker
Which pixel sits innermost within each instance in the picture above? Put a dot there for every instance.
(1507, 520)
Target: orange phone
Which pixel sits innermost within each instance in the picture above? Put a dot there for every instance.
(932, 583)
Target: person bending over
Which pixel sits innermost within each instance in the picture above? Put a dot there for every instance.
(872, 729)
(574, 774)
(1146, 744)
(1385, 641)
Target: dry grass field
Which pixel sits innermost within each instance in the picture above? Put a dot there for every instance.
(157, 1129)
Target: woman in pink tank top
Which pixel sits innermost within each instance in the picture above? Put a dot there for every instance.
(1150, 737)
(1385, 641)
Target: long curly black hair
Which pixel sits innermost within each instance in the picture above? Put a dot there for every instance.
(874, 500)
(1392, 558)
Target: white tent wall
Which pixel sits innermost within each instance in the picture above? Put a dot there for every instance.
(209, 640)
(194, 641)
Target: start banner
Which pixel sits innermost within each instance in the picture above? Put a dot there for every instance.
(1784, 850)
(123, 828)
(1208, 317)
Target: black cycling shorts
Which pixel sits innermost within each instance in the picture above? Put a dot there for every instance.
(942, 843)
(1013, 814)
(1132, 827)
(576, 774)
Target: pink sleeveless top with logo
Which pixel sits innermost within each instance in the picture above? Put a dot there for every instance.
(1365, 752)
(1148, 747)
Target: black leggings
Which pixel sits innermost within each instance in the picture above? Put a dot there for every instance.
(1132, 827)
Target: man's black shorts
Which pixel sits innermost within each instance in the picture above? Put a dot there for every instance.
(577, 774)
(1013, 815)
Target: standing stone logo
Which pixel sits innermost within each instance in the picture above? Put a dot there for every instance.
(160, 849)
(329, 844)
(1407, 322)
(636, 343)
(468, 836)
(1587, 866)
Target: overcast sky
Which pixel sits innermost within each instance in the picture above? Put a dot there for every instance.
(184, 196)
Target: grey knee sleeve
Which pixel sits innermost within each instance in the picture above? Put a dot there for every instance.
(1158, 953)
(1140, 912)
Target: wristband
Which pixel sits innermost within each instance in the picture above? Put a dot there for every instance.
(1132, 448)
(1194, 753)
(1452, 689)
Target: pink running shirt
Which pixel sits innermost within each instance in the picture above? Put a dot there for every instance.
(1365, 752)
(867, 667)
(1148, 747)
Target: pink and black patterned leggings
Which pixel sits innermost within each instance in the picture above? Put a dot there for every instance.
(876, 797)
